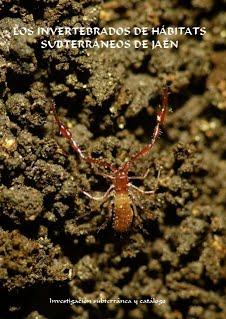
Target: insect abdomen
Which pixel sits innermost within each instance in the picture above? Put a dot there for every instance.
(123, 214)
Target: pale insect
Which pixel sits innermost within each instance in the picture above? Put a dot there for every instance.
(121, 187)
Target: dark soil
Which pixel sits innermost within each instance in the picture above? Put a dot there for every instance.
(50, 243)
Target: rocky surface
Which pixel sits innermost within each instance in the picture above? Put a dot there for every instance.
(50, 243)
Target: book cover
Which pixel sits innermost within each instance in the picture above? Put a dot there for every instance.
(112, 159)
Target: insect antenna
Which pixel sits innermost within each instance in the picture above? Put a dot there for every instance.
(66, 133)
(161, 116)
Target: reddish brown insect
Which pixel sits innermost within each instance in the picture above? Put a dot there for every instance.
(121, 188)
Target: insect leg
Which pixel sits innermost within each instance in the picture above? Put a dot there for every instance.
(147, 192)
(138, 220)
(101, 198)
(107, 220)
(105, 175)
(141, 190)
(140, 177)
(157, 180)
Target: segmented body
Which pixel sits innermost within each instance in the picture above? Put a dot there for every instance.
(123, 213)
